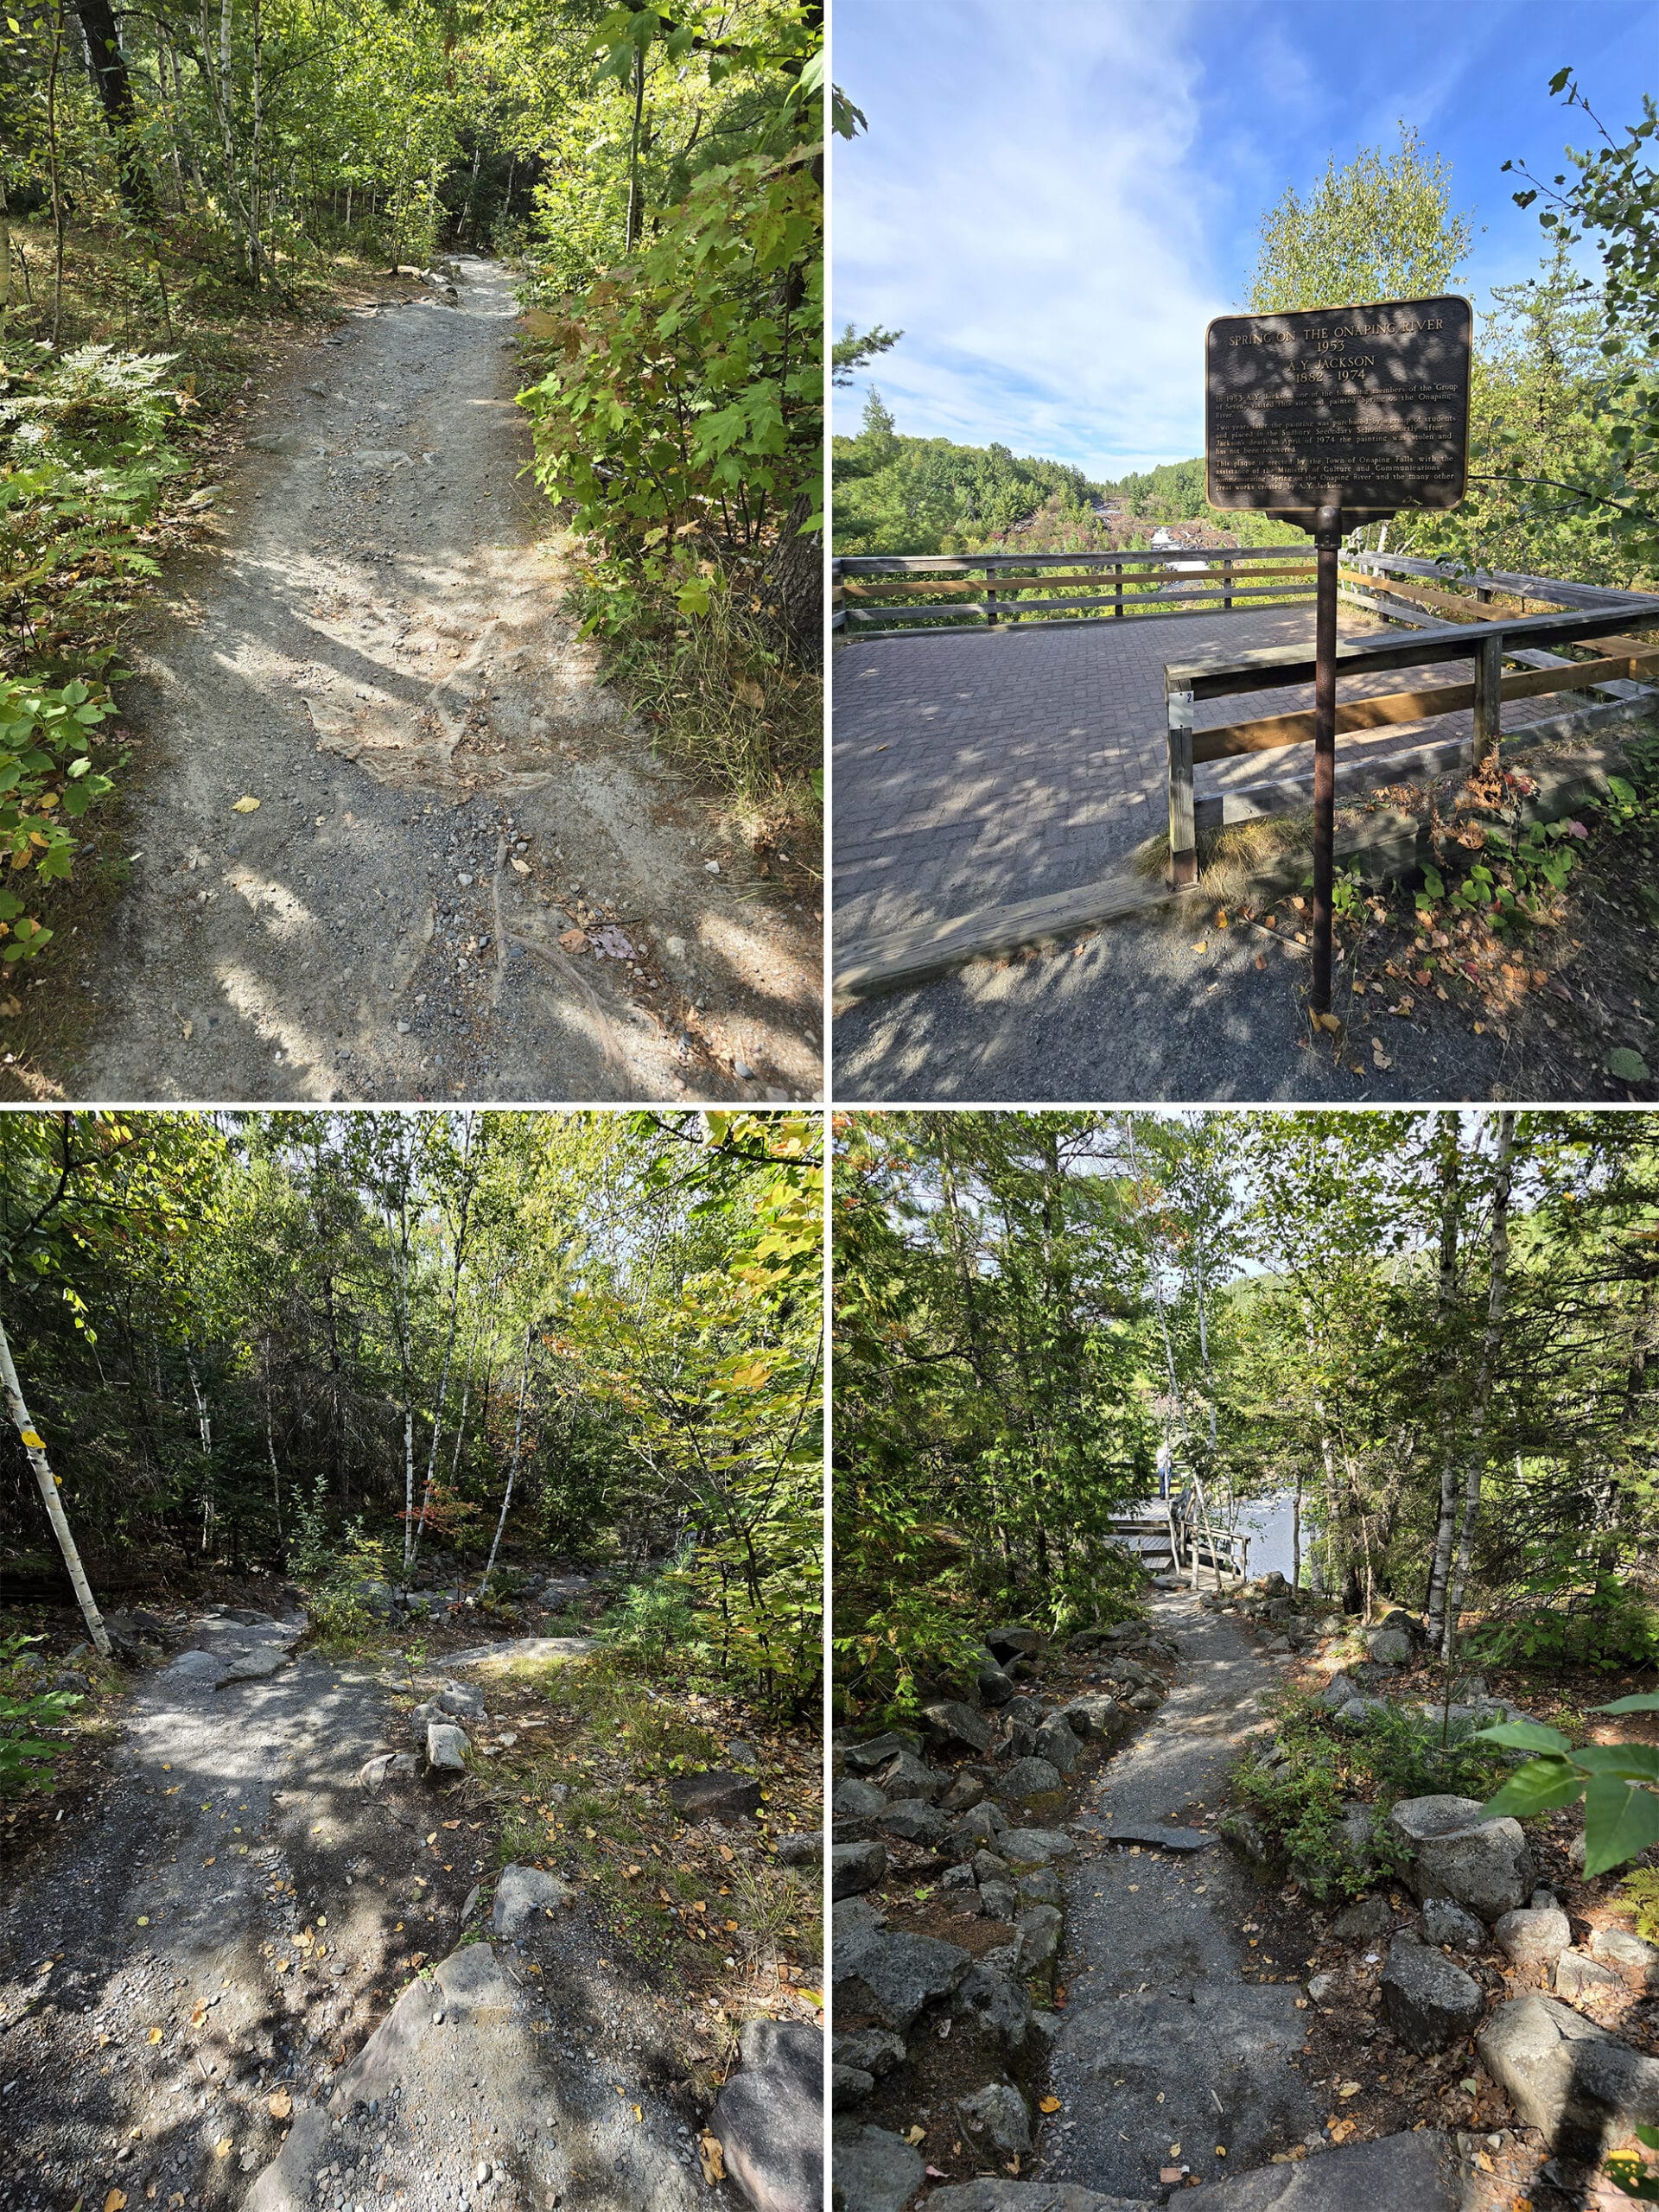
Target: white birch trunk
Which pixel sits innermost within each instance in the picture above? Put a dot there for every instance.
(48, 1482)
(512, 1470)
(1497, 1301)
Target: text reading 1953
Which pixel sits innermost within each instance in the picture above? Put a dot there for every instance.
(1363, 408)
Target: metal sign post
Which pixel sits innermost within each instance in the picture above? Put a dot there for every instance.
(1331, 417)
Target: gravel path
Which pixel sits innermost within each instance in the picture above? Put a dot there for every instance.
(1164, 2042)
(182, 1981)
(446, 789)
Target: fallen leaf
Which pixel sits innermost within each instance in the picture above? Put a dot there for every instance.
(1201, 944)
(521, 868)
(915, 2135)
(1169, 2175)
(1260, 959)
(574, 940)
(749, 692)
(246, 806)
(713, 2157)
(281, 2105)
(222, 2149)
(115, 2199)
(1348, 2089)
(155, 2035)
(1329, 1021)
(1048, 2104)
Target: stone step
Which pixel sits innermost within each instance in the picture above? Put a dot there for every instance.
(1418, 2171)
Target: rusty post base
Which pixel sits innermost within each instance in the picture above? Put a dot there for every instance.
(1182, 871)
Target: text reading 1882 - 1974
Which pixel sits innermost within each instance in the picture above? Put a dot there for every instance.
(1363, 408)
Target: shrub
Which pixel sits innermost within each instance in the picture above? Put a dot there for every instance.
(23, 1756)
(1605, 1624)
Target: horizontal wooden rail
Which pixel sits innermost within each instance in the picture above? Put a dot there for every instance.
(901, 565)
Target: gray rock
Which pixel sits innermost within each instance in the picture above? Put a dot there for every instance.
(979, 1824)
(1484, 1864)
(966, 1791)
(1057, 1744)
(522, 1893)
(997, 2114)
(1634, 1959)
(1584, 2089)
(1144, 1700)
(1390, 1647)
(1446, 1922)
(1414, 2172)
(713, 1796)
(990, 1866)
(1339, 1690)
(1535, 1938)
(72, 1681)
(1429, 2002)
(875, 2171)
(196, 1669)
(993, 2007)
(890, 1977)
(855, 1866)
(857, 1800)
(994, 1686)
(386, 1766)
(951, 1721)
(849, 2086)
(912, 1819)
(255, 1664)
(1322, 1987)
(1249, 1834)
(1366, 1922)
(1578, 1975)
(876, 1750)
(1039, 1927)
(1160, 1838)
(460, 1701)
(1095, 1719)
(906, 1776)
(1013, 1641)
(1041, 1886)
(1034, 1846)
(1357, 1845)
(877, 2050)
(769, 2117)
(999, 1900)
(988, 2193)
(447, 1747)
(1028, 1780)
(803, 1848)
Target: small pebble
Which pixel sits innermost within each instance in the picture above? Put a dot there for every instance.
(711, 867)
(463, 881)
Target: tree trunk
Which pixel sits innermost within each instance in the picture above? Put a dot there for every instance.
(792, 584)
(1446, 1300)
(1496, 1300)
(513, 1470)
(47, 1483)
(107, 66)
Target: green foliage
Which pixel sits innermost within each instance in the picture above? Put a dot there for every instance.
(653, 1621)
(47, 773)
(1631, 2174)
(1382, 228)
(1641, 1890)
(896, 495)
(1617, 1782)
(1566, 1619)
(1329, 1762)
(26, 1758)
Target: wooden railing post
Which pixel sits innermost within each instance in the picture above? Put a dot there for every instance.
(1227, 586)
(1183, 836)
(1489, 696)
(990, 599)
(1117, 590)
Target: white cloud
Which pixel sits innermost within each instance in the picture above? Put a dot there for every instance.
(1025, 210)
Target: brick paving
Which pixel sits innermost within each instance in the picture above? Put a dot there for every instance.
(977, 768)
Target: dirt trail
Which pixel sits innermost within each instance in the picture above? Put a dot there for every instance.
(183, 1983)
(446, 789)
(1165, 2041)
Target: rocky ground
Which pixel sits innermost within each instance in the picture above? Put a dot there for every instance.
(1141, 1997)
(392, 838)
(320, 1926)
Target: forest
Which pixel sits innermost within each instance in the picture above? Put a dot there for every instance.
(1431, 1335)
(184, 194)
(370, 1352)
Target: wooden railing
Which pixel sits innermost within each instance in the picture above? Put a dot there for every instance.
(900, 593)
(1485, 634)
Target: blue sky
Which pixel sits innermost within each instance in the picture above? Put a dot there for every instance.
(1054, 196)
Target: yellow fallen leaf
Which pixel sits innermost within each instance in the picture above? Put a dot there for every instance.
(143, 1920)
(521, 868)
(115, 2199)
(246, 806)
(637, 2113)
(1201, 944)
(223, 2147)
(915, 2135)
(1048, 2104)
(713, 2157)
(155, 2035)
(1348, 2089)
(574, 941)
(281, 2105)
(1327, 1021)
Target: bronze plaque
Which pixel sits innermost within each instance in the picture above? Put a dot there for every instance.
(1363, 408)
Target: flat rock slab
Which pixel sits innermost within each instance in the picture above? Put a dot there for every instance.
(255, 1664)
(713, 1796)
(1585, 2089)
(875, 2171)
(1414, 2173)
(462, 2041)
(516, 1650)
(196, 1670)
(769, 2117)
(988, 2194)
(1161, 1839)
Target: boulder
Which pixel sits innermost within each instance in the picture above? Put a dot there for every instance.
(1041, 1885)
(386, 1766)
(912, 1819)
(1034, 1846)
(1578, 1975)
(1419, 2171)
(1040, 1926)
(447, 1747)
(951, 1721)
(1484, 1864)
(713, 1796)
(1389, 1647)
(1322, 1987)
(990, 1866)
(196, 1668)
(996, 2116)
(522, 1892)
(460, 1701)
(906, 1776)
(988, 2193)
(994, 1686)
(803, 1848)
(855, 1866)
(998, 1900)
(1366, 1921)
(966, 1791)
(890, 1977)
(1430, 2003)
(875, 2171)
(1628, 1955)
(857, 1800)
(1446, 1922)
(1533, 1937)
(254, 1664)
(876, 2050)
(1028, 1780)
(1159, 1837)
(1338, 1691)
(1057, 1744)
(1584, 2089)
(876, 1750)
(769, 2117)
(848, 2086)
(981, 1823)
(1101, 1718)
(995, 2007)
(1013, 1641)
